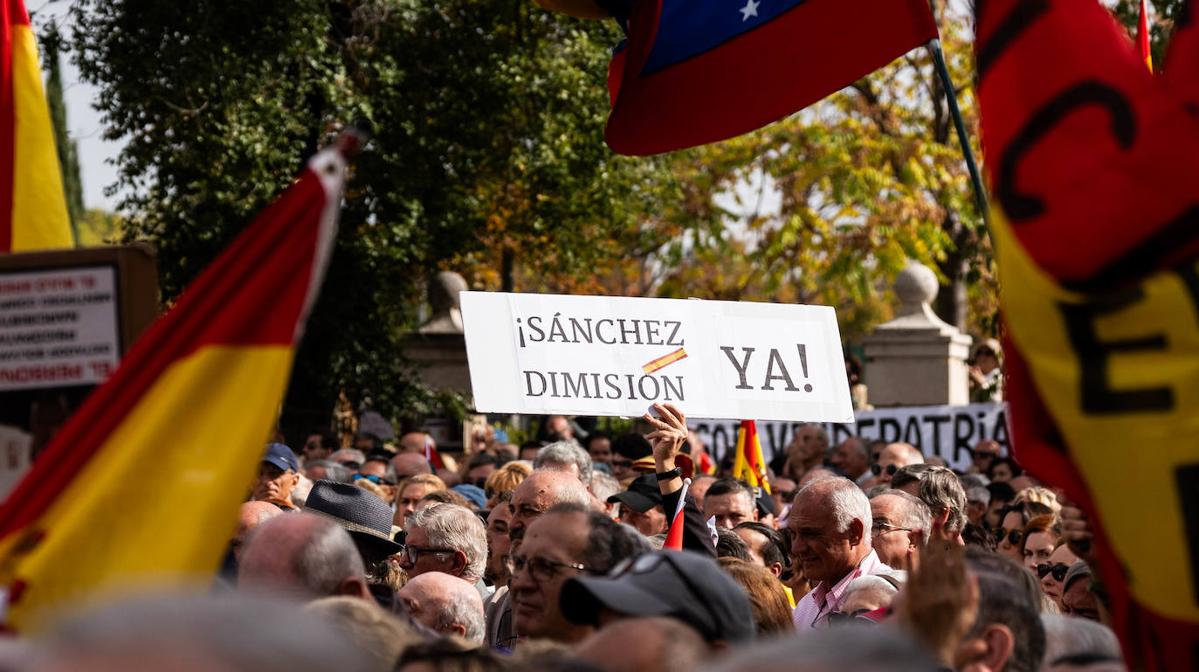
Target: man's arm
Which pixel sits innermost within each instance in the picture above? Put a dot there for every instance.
(670, 431)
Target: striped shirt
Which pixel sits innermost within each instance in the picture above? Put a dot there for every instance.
(813, 610)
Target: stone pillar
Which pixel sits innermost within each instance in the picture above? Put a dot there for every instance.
(438, 347)
(917, 359)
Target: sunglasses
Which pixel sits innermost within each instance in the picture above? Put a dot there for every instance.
(877, 469)
(377, 480)
(1058, 570)
(1013, 536)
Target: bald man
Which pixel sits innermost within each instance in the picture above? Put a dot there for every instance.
(413, 442)
(445, 604)
(410, 464)
(302, 555)
(249, 517)
(894, 457)
(533, 497)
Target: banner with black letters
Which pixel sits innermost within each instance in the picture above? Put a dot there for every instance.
(948, 432)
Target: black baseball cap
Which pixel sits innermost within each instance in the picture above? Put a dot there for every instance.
(678, 584)
(643, 494)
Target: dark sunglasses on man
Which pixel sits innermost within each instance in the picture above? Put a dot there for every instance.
(1059, 570)
(877, 469)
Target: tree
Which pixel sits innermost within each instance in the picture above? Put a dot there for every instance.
(68, 149)
(827, 205)
(486, 154)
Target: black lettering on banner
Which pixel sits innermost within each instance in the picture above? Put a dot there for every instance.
(1000, 433)
(889, 430)
(1186, 479)
(840, 433)
(774, 433)
(963, 433)
(671, 387)
(1013, 26)
(936, 421)
(911, 434)
(863, 424)
(1021, 206)
(1098, 398)
(720, 441)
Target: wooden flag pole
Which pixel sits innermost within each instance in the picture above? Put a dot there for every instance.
(951, 96)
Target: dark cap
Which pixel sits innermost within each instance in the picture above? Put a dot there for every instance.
(281, 456)
(678, 584)
(366, 517)
(643, 494)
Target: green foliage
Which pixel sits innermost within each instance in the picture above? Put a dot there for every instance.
(487, 123)
(68, 150)
(96, 227)
(863, 181)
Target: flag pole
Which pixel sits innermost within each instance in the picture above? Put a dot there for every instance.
(951, 96)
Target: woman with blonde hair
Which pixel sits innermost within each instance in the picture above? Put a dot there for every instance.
(505, 479)
(409, 493)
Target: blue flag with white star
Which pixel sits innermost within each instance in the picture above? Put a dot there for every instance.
(699, 71)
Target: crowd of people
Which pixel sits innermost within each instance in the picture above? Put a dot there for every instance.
(554, 555)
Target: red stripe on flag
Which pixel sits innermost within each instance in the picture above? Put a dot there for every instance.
(14, 15)
(223, 306)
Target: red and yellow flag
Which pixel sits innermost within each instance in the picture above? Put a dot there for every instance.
(144, 481)
(1143, 36)
(748, 464)
(33, 208)
(1095, 237)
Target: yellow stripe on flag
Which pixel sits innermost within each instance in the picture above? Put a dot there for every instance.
(39, 209)
(139, 512)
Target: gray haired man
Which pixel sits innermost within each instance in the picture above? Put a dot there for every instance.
(446, 538)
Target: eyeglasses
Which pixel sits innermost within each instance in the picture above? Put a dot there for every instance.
(1059, 570)
(377, 480)
(877, 469)
(882, 527)
(412, 553)
(1013, 536)
(543, 570)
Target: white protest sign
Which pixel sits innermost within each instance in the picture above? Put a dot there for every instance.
(597, 355)
(949, 432)
(58, 327)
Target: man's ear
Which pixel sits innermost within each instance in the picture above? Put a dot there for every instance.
(776, 568)
(456, 629)
(987, 652)
(856, 532)
(459, 562)
(354, 587)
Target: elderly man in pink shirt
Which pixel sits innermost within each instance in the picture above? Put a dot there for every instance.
(830, 525)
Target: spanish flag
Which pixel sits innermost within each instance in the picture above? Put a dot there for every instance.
(143, 483)
(748, 464)
(33, 209)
